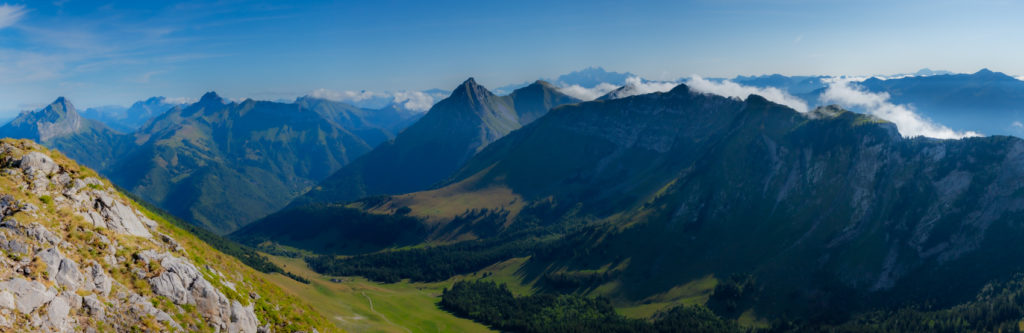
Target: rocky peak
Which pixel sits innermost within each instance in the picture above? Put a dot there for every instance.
(544, 84)
(471, 91)
(63, 103)
(681, 88)
(755, 99)
(211, 98)
(59, 109)
(57, 119)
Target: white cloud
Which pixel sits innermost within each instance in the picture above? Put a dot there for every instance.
(733, 89)
(588, 94)
(410, 100)
(414, 100)
(910, 124)
(344, 96)
(179, 100)
(638, 86)
(634, 86)
(10, 14)
(1021, 77)
(1017, 124)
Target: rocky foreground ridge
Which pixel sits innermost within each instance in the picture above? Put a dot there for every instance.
(79, 257)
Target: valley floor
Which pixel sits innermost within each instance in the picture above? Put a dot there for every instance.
(358, 305)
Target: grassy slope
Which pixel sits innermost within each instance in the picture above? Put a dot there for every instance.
(399, 307)
(281, 310)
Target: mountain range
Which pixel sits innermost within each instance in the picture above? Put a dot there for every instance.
(215, 163)
(127, 120)
(589, 77)
(645, 199)
(430, 150)
(648, 200)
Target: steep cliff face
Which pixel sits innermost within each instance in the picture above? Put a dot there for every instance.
(78, 256)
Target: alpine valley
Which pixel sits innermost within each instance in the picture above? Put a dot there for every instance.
(682, 209)
(651, 207)
(741, 166)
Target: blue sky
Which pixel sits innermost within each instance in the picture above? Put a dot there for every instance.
(100, 53)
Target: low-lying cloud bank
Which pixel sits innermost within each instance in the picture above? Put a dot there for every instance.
(179, 100)
(634, 86)
(588, 94)
(637, 86)
(732, 89)
(411, 100)
(910, 124)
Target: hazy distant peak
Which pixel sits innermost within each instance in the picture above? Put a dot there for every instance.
(154, 99)
(987, 74)
(929, 72)
(211, 97)
(591, 77)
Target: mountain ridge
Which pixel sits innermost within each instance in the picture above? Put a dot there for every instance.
(438, 143)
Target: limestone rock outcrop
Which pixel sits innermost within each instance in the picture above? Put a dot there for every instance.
(76, 253)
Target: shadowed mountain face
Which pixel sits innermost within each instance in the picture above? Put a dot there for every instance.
(830, 211)
(811, 204)
(60, 126)
(438, 144)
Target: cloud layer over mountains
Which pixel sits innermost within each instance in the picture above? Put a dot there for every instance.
(634, 86)
(420, 101)
(909, 123)
(840, 91)
(588, 94)
(731, 89)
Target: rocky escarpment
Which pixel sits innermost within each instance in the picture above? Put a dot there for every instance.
(77, 256)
